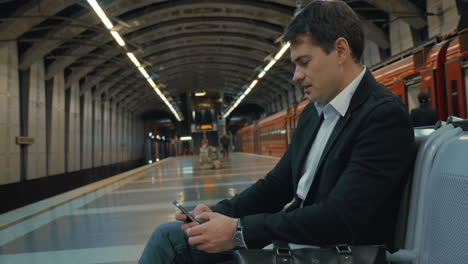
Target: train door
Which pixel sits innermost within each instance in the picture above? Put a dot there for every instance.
(455, 89)
(289, 124)
(465, 74)
(398, 88)
(432, 83)
(413, 88)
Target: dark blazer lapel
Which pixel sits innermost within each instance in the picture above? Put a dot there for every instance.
(360, 95)
(305, 141)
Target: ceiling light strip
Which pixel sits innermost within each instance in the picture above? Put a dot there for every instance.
(100, 13)
(118, 38)
(262, 73)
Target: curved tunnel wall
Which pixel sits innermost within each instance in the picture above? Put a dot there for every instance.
(78, 137)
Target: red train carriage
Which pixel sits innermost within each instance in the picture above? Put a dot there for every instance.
(272, 134)
(456, 75)
(247, 138)
(400, 77)
(438, 69)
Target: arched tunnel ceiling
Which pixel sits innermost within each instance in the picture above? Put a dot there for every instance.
(212, 45)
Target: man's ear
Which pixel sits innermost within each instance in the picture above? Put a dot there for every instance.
(342, 49)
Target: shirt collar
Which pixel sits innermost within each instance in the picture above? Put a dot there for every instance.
(340, 103)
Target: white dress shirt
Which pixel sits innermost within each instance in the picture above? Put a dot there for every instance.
(335, 109)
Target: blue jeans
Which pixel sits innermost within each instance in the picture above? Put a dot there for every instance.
(168, 244)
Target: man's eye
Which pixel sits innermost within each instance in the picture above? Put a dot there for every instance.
(303, 62)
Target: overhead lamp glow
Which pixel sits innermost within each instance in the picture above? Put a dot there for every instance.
(268, 67)
(201, 93)
(151, 82)
(118, 38)
(252, 85)
(133, 59)
(261, 74)
(98, 10)
(282, 51)
(143, 71)
(185, 138)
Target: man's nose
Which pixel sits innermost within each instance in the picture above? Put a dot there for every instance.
(298, 76)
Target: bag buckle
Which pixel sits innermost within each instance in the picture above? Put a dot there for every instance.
(283, 252)
(344, 250)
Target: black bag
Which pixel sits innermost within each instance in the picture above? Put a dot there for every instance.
(341, 254)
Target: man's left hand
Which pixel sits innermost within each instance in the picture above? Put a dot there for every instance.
(215, 235)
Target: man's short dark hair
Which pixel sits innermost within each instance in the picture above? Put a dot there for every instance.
(325, 22)
(423, 98)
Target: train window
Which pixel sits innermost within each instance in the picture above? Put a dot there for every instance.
(454, 94)
(466, 89)
(413, 88)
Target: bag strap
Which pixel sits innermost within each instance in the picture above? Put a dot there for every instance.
(345, 254)
(283, 252)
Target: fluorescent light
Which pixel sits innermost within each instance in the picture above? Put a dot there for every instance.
(151, 82)
(98, 10)
(261, 74)
(252, 85)
(268, 67)
(143, 71)
(133, 59)
(248, 91)
(158, 92)
(118, 38)
(185, 138)
(282, 51)
(203, 93)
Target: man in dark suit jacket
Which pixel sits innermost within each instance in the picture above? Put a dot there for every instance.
(424, 115)
(338, 182)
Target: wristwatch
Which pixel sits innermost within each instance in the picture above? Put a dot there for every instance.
(238, 237)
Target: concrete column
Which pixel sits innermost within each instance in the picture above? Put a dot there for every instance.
(106, 137)
(299, 94)
(118, 139)
(114, 133)
(74, 128)
(98, 128)
(447, 19)
(140, 136)
(36, 123)
(126, 139)
(291, 97)
(279, 104)
(87, 136)
(121, 134)
(401, 35)
(284, 100)
(371, 55)
(56, 156)
(9, 113)
(130, 136)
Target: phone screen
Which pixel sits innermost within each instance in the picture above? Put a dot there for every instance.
(190, 218)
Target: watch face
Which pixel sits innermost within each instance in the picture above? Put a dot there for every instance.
(238, 239)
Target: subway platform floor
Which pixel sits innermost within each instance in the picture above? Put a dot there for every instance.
(109, 222)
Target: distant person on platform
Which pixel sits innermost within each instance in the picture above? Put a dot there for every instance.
(424, 115)
(225, 144)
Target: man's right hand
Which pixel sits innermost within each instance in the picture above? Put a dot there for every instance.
(201, 208)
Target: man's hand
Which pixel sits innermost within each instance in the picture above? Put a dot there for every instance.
(201, 208)
(215, 235)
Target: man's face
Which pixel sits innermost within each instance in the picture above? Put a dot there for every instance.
(316, 72)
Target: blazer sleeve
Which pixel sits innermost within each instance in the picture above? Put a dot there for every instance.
(267, 195)
(370, 176)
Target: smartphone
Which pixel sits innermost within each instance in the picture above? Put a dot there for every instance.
(190, 217)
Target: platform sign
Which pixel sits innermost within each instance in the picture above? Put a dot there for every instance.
(24, 140)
